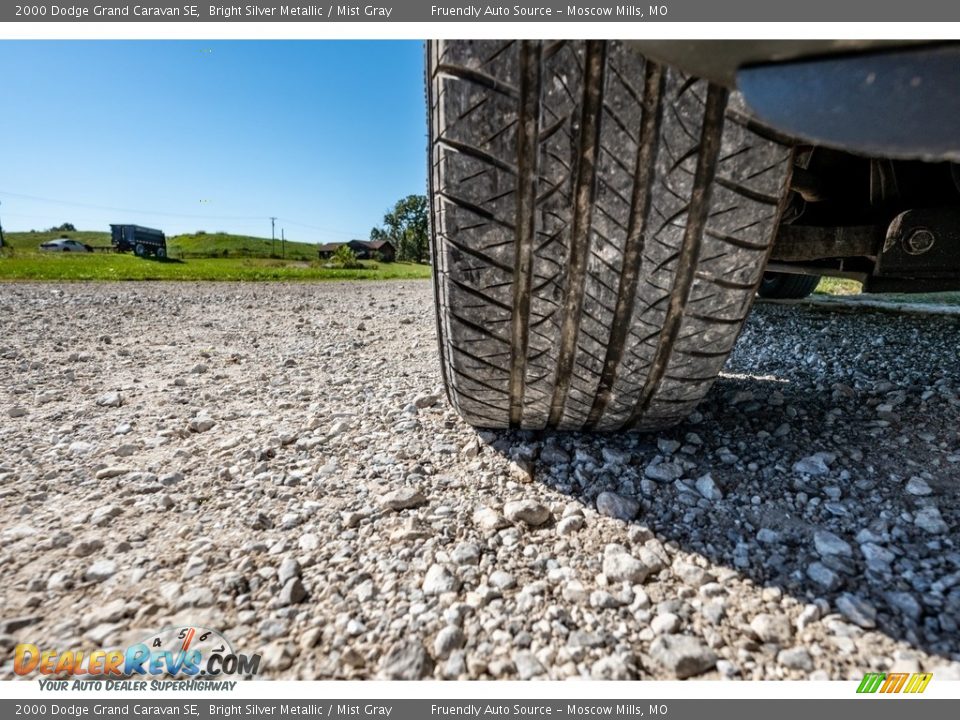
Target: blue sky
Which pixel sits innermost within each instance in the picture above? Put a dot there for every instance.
(188, 135)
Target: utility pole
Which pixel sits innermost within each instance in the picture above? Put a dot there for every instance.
(273, 238)
(283, 243)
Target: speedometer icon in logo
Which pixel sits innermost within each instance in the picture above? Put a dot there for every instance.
(192, 651)
(192, 641)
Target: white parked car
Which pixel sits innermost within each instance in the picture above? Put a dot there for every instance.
(65, 245)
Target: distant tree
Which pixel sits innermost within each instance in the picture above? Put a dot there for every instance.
(344, 257)
(406, 226)
(65, 227)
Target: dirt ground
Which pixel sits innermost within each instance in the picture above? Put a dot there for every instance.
(278, 462)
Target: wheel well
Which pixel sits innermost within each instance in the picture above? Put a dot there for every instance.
(893, 224)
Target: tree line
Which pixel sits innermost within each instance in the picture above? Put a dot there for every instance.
(406, 226)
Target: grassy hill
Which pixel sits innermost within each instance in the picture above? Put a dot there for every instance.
(210, 245)
(196, 245)
(30, 241)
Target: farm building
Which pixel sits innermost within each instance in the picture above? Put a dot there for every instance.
(388, 253)
(327, 250)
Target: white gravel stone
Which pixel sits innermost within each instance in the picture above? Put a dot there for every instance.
(619, 566)
(440, 579)
(406, 660)
(665, 624)
(202, 424)
(682, 656)
(823, 576)
(818, 464)
(664, 471)
(768, 536)
(100, 570)
(112, 471)
(708, 488)
(666, 446)
(288, 570)
(110, 399)
(691, 574)
(426, 400)
(857, 610)
(575, 592)
(611, 667)
(195, 597)
(527, 665)
(489, 519)
(877, 557)
(918, 486)
(827, 543)
(570, 525)
(772, 628)
(403, 499)
(104, 514)
(466, 553)
(308, 542)
(448, 639)
(527, 511)
(797, 658)
(84, 548)
(930, 519)
(502, 580)
(552, 455)
(292, 592)
(905, 603)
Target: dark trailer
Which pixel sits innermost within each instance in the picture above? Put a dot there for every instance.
(143, 241)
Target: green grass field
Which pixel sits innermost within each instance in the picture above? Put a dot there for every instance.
(110, 266)
(207, 256)
(840, 286)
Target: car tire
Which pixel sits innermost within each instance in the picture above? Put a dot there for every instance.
(600, 226)
(161, 253)
(787, 286)
(139, 250)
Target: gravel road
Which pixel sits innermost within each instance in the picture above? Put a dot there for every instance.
(279, 462)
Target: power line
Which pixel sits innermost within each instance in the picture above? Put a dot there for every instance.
(351, 233)
(331, 231)
(129, 210)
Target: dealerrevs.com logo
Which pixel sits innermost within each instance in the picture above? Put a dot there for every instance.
(175, 653)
